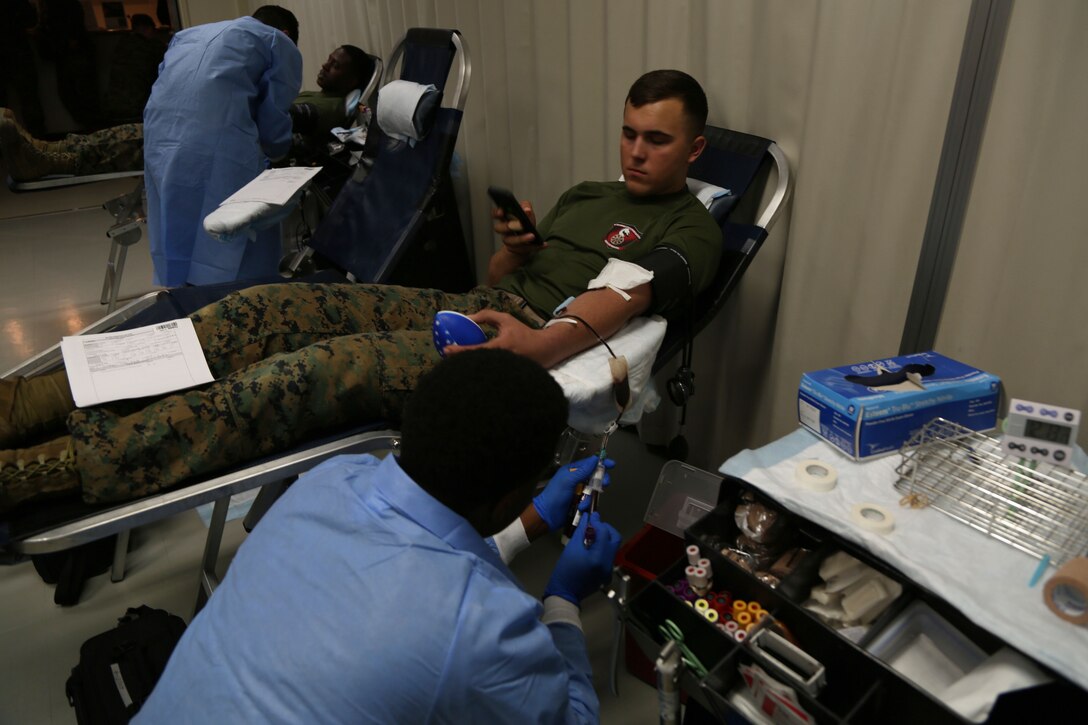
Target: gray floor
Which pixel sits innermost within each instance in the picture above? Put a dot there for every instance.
(54, 249)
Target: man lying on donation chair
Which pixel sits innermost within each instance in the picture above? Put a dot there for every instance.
(295, 361)
(121, 148)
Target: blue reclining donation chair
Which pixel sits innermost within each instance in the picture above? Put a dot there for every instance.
(740, 163)
(396, 220)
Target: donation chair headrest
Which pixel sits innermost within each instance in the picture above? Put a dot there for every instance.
(406, 110)
(717, 199)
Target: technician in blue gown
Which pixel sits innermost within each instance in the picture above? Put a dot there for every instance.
(367, 594)
(217, 113)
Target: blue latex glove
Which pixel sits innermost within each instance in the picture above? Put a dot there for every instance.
(582, 570)
(553, 503)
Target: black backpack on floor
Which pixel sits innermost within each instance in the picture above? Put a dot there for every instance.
(70, 569)
(118, 669)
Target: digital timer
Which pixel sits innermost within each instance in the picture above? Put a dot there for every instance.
(1041, 432)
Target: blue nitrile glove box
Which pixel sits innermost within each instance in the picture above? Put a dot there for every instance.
(873, 408)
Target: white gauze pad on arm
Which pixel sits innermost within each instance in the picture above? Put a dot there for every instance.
(618, 276)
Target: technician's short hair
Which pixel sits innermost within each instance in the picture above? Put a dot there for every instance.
(660, 85)
(479, 425)
(280, 19)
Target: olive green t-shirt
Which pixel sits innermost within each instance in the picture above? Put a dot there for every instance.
(595, 221)
(330, 111)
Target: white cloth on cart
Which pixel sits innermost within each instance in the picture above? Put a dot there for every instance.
(983, 578)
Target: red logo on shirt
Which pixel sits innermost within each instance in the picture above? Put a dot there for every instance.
(620, 235)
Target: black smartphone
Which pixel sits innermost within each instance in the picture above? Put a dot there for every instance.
(509, 205)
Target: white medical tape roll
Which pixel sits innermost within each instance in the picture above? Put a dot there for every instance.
(816, 475)
(689, 574)
(693, 554)
(705, 564)
(1066, 593)
(700, 577)
(873, 517)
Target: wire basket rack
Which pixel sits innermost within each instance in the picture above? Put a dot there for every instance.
(967, 475)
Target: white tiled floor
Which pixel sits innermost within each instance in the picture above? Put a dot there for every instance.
(53, 250)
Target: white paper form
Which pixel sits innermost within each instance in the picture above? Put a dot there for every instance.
(149, 360)
(274, 186)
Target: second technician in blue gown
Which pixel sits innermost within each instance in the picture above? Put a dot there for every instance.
(217, 113)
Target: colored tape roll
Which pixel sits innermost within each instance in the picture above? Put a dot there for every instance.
(743, 618)
(702, 605)
(739, 605)
(754, 607)
(693, 554)
(731, 626)
(873, 517)
(740, 635)
(1066, 593)
(711, 615)
(816, 475)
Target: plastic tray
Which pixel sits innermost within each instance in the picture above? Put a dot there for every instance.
(922, 646)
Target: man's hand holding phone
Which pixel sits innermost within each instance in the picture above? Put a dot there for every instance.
(515, 222)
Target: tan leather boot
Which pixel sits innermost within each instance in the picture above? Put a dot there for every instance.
(38, 472)
(50, 147)
(33, 407)
(25, 161)
(54, 146)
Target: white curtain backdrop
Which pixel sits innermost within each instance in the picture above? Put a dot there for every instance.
(857, 94)
(1017, 299)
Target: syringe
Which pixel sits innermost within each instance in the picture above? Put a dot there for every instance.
(593, 490)
(595, 486)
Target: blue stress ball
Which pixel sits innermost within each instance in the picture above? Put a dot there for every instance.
(453, 328)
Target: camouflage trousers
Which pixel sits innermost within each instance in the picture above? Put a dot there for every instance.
(118, 148)
(291, 362)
